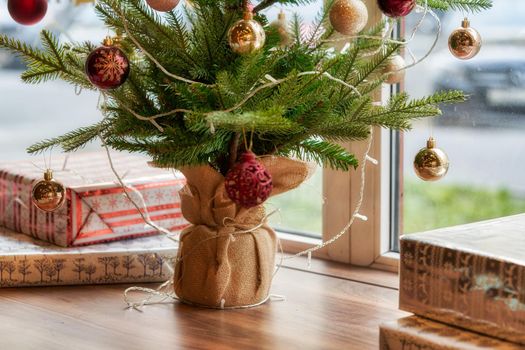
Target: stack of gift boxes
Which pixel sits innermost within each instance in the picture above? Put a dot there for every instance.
(466, 287)
(98, 235)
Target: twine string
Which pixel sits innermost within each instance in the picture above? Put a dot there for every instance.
(272, 83)
(434, 43)
(153, 59)
(355, 214)
(143, 211)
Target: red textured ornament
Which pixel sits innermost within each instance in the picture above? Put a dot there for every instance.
(248, 184)
(396, 8)
(163, 5)
(27, 12)
(107, 67)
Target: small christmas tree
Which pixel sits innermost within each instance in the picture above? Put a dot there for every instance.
(280, 98)
(198, 98)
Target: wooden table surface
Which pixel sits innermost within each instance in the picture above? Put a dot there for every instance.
(324, 310)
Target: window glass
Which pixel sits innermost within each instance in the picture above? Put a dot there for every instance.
(300, 210)
(30, 113)
(482, 137)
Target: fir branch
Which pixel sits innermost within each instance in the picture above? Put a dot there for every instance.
(319, 22)
(400, 111)
(267, 3)
(260, 122)
(47, 64)
(458, 5)
(73, 140)
(324, 153)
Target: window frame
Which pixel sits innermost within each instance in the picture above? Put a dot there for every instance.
(367, 243)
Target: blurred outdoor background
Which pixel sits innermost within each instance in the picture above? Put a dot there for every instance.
(482, 137)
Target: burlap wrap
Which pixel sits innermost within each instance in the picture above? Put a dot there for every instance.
(219, 263)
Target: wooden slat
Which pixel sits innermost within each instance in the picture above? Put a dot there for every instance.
(320, 312)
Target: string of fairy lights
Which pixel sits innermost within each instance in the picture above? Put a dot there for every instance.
(108, 67)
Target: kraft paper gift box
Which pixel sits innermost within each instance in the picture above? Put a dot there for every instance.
(471, 276)
(96, 208)
(25, 261)
(417, 333)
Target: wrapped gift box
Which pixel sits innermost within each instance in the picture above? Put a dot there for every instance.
(471, 276)
(416, 333)
(25, 261)
(96, 209)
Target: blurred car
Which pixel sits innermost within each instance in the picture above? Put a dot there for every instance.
(495, 79)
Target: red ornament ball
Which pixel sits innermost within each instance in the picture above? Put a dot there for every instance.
(248, 183)
(107, 67)
(163, 5)
(27, 12)
(396, 8)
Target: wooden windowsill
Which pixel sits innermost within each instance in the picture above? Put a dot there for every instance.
(359, 274)
(330, 306)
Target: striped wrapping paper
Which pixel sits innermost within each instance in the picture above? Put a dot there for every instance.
(96, 208)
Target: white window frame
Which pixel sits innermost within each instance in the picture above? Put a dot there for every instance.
(367, 243)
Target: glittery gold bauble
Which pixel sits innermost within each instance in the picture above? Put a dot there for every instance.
(431, 163)
(348, 17)
(394, 69)
(465, 42)
(281, 26)
(48, 194)
(163, 5)
(247, 35)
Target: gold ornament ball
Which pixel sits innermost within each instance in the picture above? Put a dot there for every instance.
(431, 163)
(48, 195)
(246, 36)
(394, 69)
(464, 42)
(281, 26)
(348, 17)
(163, 5)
